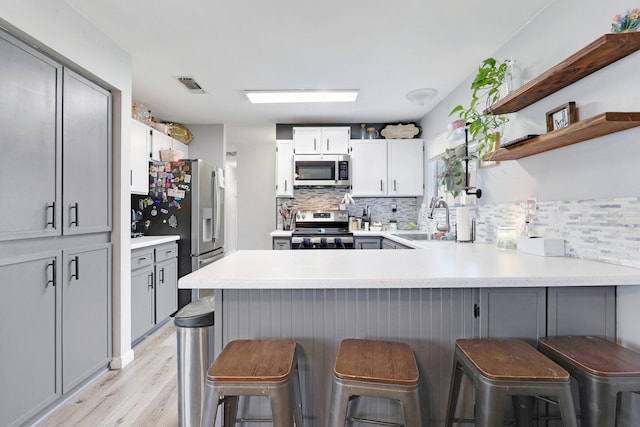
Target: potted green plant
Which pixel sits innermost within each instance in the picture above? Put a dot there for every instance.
(486, 90)
(451, 174)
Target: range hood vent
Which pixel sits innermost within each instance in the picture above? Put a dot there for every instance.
(191, 85)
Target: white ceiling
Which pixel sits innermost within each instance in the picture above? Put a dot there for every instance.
(383, 48)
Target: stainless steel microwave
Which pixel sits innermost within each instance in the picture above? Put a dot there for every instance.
(321, 170)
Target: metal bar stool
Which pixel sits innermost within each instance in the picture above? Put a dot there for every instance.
(506, 367)
(254, 368)
(375, 369)
(602, 368)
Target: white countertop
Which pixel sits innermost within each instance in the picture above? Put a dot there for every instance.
(145, 241)
(437, 264)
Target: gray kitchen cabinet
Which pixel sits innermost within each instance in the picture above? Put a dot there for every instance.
(166, 286)
(56, 314)
(55, 327)
(86, 139)
(367, 242)
(512, 313)
(391, 244)
(29, 129)
(86, 313)
(582, 311)
(142, 292)
(154, 287)
(29, 332)
(281, 243)
(61, 122)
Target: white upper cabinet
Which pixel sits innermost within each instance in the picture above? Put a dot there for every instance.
(369, 167)
(405, 167)
(146, 143)
(321, 140)
(382, 167)
(161, 141)
(140, 147)
(284, 168)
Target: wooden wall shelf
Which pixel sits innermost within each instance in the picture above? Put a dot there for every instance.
(600, 53)
(600, 125)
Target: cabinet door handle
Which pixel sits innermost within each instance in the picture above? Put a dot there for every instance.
(51, 223)
(76, 268)
(285, 185)
(162, 275)
(327, 144)
(150, 281)
(51, 273)
(73, 207)
(381, 189)
(314, 144)
(476, 311)
(395, 186)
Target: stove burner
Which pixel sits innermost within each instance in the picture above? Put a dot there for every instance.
(322, 230)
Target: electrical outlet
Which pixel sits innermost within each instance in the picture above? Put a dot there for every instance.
(394, 208)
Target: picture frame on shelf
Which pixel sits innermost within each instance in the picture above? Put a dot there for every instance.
(562, 116)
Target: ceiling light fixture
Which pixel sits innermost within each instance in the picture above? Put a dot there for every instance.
(422, 96)
(302, 95)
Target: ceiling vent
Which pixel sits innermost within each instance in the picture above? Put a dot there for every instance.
(191, 85)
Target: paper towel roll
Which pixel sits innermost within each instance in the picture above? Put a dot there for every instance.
(463, 229)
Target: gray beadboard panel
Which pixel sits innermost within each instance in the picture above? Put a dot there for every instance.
(430, 320)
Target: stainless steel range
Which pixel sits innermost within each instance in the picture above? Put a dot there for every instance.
(322, 230)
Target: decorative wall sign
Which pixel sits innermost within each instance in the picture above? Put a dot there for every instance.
(562, 116)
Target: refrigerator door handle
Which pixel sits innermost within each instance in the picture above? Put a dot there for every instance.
(215, 188)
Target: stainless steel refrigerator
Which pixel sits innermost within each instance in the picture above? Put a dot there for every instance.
(186, 198)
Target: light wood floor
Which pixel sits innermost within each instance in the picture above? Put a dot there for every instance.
(144, 393)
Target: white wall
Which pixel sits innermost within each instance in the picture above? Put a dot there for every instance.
(60, 31)
(208, 144)
(255, 174)
(604, 167)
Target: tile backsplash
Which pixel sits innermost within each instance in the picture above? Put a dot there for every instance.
(330, 198)
(605, 230)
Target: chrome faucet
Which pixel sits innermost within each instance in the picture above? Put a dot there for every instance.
(441, 203)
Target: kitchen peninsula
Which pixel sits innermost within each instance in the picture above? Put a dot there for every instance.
(427, 297)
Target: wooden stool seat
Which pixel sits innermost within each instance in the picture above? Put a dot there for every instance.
(254, 368)
(602, 368)
(595, 355)
(376, 362)
(510, 360)
(507, 367)
(375, 369)
(254, 360)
